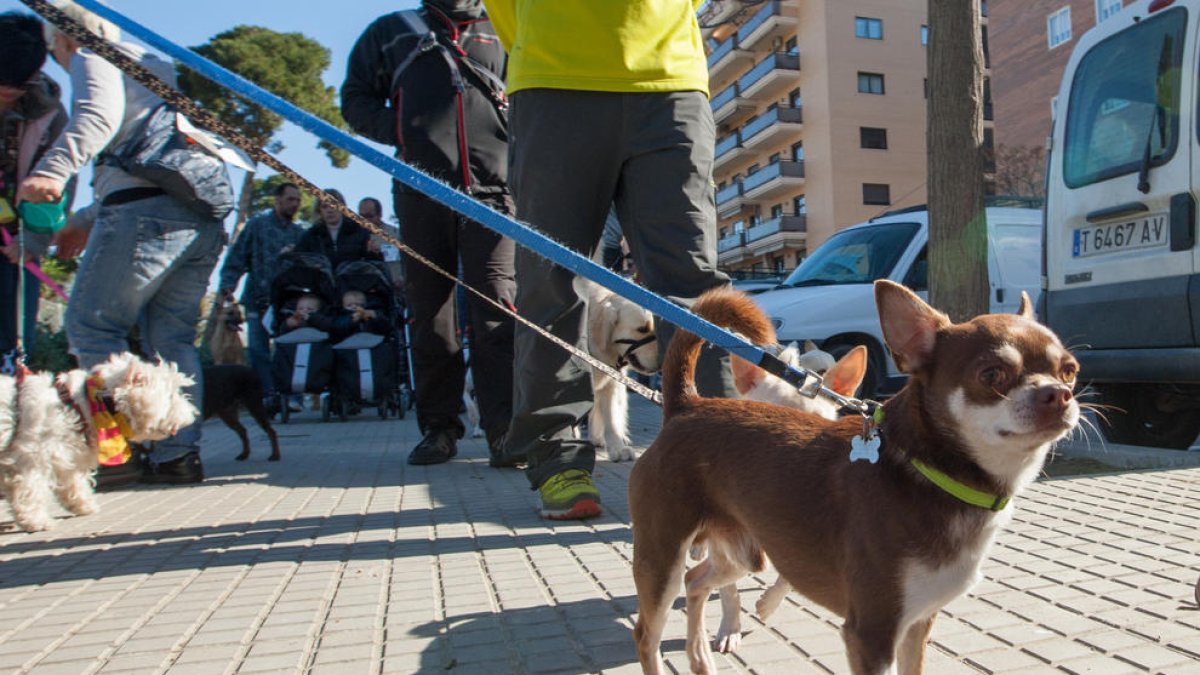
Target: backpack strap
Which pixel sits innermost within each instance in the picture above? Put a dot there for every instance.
(427, 40)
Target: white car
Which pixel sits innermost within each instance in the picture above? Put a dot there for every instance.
(830, 298)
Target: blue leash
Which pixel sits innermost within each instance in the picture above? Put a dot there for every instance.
(807, 383)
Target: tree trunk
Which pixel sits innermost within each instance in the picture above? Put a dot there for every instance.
(958, 280)
(243, 210)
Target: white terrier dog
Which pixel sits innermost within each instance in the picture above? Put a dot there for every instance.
(48, 439)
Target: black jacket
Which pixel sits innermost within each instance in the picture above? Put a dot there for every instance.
(351, 243)
(432, 126)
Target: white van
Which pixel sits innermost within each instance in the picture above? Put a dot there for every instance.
(1122, 286)
(830, 298)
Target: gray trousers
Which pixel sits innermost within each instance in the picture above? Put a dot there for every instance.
(574, 154)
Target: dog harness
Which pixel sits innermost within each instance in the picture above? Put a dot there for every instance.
(624, 359)
(111, 426)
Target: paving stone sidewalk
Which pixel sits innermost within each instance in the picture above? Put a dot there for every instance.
(343, 559)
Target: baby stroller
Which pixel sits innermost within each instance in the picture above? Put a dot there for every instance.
(369, 368)
(303, 358)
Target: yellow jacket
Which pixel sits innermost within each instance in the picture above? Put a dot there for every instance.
(601, 45)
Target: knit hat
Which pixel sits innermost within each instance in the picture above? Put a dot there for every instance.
(22, 48)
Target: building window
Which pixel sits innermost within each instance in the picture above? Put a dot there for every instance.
(1058, 27)
(739, 227)
(1106, 8)
(773, 159)
(777, 263)
(877, 193)
(798, 152)
(924, 35)
(800, 204)
(752, 170)
(870, 83)
(791, 46)
(794, 98)
(724, 232)
(777, 210)
(868, 29)
(755, 220)
(872, 138)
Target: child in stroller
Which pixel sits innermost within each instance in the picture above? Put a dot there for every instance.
(303, 358)
(368, 367)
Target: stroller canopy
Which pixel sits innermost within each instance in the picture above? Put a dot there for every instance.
(302, 273)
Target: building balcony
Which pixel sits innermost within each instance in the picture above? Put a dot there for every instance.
(725, 57)
(773, 180)
(771, 127)
(730, 199)
(737, 240)
(798, 223)
(771, 21)
(770, 76)
(730, 107)
(728, 149)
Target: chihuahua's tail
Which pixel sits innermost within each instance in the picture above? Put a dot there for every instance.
(727, 308)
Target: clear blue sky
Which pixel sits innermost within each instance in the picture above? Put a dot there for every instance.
(336, 25)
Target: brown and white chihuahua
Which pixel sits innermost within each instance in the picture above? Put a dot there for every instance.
(883, 524)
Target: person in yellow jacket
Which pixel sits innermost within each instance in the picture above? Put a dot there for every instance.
(608, 106)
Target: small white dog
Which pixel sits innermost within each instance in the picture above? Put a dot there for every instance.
(48, 440)
(620, 334)
(471, 403)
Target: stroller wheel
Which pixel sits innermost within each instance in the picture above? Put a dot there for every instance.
(325, 405)
(284, 411)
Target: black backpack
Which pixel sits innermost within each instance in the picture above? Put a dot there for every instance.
(483, 79)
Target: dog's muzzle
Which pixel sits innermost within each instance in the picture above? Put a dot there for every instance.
(628, 357)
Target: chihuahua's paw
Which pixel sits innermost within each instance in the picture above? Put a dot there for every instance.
(621, 453)
(728, 643)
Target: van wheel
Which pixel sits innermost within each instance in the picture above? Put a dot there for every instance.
(870, 384)
(1151, 415)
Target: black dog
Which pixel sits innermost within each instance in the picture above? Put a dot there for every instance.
(228, 388)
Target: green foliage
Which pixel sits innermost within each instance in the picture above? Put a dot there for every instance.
(48, 353)
(59, 269)
(286, 64)
(262, 198)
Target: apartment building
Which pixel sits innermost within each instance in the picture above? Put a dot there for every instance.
(1031, 43)
(820, 111)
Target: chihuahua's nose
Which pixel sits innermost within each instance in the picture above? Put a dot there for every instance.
(1054, 396)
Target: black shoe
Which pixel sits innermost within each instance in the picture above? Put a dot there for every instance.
(438, 446)
(186, 469)
(271, 405)
(112, 477)
(497, 459)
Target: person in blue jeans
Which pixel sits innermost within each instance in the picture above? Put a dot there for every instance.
(255, 252)
(148, 255)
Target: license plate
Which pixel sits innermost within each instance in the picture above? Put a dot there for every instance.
(1149, 232)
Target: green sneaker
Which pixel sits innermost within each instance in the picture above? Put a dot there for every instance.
(570, 495)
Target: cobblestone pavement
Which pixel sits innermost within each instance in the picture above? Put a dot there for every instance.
(343, 559)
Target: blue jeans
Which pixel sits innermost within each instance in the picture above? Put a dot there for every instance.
(259, 347)
(147, 263)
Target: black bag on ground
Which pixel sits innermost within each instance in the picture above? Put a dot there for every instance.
(162, 154)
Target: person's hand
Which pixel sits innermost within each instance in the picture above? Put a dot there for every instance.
(40, 189)
(10, 252)
(296, 320)
(287, 249)
(227, 294)
(70, 241)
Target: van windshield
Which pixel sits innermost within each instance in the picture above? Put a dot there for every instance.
(857, 256)
(1124, 102)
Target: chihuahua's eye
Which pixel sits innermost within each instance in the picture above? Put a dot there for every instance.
(993, 377)
(1068, 373)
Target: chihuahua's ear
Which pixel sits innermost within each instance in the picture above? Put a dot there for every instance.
(1026, 308)
(746, 375)
(909, 325)
(845, 376)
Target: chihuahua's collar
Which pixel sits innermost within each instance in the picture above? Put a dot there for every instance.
(962, 492)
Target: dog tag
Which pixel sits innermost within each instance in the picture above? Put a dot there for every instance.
(864, 448)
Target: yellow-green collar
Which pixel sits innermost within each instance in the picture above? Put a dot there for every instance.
(964, 493)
